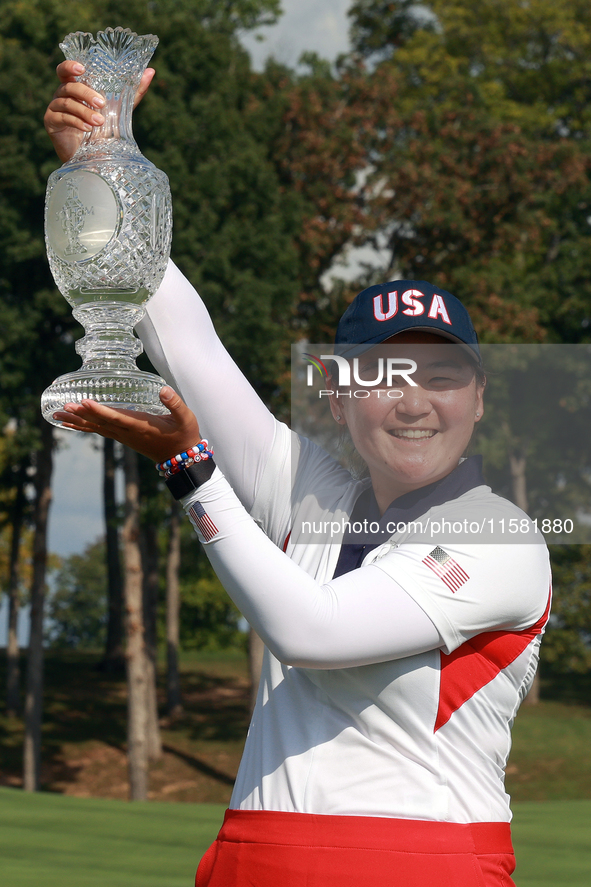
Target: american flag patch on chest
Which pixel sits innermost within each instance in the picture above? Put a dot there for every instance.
(444, 566)
(203, 522)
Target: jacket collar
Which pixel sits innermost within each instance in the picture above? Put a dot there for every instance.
(409, 507)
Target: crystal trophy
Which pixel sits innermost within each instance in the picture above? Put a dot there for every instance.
(108, 226)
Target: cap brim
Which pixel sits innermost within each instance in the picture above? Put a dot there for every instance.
(354, 349)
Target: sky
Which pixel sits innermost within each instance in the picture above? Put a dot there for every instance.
(306, 26)
(76, 518)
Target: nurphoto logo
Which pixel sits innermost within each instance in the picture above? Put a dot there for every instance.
(383, 371)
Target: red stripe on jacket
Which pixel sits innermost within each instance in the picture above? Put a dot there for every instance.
(477, 662)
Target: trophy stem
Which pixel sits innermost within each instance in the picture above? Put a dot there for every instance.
(108, 373)
(109, 338)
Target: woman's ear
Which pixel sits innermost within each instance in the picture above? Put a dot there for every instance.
(335, 407)
(479, 403)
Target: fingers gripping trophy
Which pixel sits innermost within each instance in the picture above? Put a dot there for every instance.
(108, 227)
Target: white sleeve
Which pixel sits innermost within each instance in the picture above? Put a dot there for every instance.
(181, 342)
(360, 618)
(482, 587)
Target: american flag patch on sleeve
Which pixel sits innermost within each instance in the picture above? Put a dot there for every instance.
(444, 566)
(203, 522)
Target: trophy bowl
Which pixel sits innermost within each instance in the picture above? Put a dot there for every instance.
(108, 227)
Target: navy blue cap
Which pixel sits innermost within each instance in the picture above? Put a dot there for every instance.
(385, 309)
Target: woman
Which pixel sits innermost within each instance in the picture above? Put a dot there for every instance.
(394, 663)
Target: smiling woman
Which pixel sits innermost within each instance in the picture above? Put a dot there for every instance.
(397, 653)
(396, 656)
(419, 436)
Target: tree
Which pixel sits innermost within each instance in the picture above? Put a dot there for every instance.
(150, 511)
(318, 143)
(114, 655)
(34, 695)
(138, 672)
(77, 608)
(481, 165)
(535, 428)
(567, 644)
(174, 701)
(209, 620)
(32, 311)
(14, 567)
(235, 235)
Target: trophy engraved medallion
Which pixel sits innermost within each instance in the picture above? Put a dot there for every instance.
(108, 226)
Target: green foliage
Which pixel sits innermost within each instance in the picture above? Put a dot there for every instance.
(380, 26)
(31, 308)
(481, 161)
(537, 415)
(77, 607)
(208, 618)
(201, 124)
(527, 62)
(207, 123)
(567, 645)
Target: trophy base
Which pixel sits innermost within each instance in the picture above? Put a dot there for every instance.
(123, 390)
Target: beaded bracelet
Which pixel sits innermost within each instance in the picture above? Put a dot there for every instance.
(198, 453)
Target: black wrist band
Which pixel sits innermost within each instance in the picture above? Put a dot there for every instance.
(190, 478)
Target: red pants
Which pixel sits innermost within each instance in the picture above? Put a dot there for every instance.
(267, 849)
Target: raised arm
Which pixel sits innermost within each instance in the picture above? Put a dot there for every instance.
(360, 618)
(183, 345)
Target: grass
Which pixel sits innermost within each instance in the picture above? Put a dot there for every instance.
(61, 841)
(552, 843)
(54, 838)
(550, 758)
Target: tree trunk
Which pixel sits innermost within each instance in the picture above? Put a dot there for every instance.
(517, 463)
(154, 740)
(149, 548)
(150, 594)
(533, 696)
(114, 658)
(255, 663)
(12, 651)
(137, 693)
(174, 700)
(34, 696)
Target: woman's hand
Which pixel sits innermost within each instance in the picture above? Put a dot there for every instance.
(157, 437)
(76, 108)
